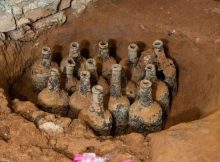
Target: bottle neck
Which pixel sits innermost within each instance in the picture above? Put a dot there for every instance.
(97, 98)
(46, 63)
(74, 51)
(46, 57)
(84, 83)
(103, 50)
(145, 93)
(91, 67)
(70, 64)
(133, 63)
(158, 47)
(116, 81)
(133, 54)
(150, 73)
(53, 83)
(69, 76)
(103, 54)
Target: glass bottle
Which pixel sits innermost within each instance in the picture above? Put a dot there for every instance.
(145, 114)
(71, 81)
(147, 57)
(95, 79)
(132, 71)
(99, 119)
(159, 88)
(81, 98)
(166, 66)
(74, 53)
(52, 99)
(104, 61)
(40, 71)
(118, 104)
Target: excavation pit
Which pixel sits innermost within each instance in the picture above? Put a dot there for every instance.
(197, 96)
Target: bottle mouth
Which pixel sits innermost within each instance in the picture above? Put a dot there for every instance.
(103, 44)
(46, 50)
(116, 67)
(158, 44)
(84, 75)
(91, 61)
(90, 64)
(150, 67)
(70, 62)
(54, 72)
(74, 45)
(133, 47)
(146, 84)
(97, 89)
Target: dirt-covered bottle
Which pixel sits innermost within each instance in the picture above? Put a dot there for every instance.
(81, 99)
(104, 60)
(99, 119)
(160, 90)
(95, 79)
(132, 71)
(53, 99)
(74, 53)
(40, 71)
(118, 104)
(70, 80)
(145, 114)
(166, 66)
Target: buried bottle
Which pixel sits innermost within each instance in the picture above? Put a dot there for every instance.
(99, 119)
(159, 88)
(71, 81)
(74, 53)
(130, 64)
(52, 99)
(81, 98)
(145, 115)
(166, 66)
(132, 71)
(40, 71)
(104, 61)
(118, 104)
(95, 79)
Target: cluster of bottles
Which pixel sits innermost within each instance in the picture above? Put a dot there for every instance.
(108, 96)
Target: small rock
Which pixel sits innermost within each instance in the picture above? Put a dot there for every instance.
(217, 41)
(40, 8)
(17, 11)
(58, 18)
(7, 22)
(2, 36)
(50, 126)
(24, 33)
(197, 40)
(64, 4)
(79, 5)
(22, 21)
(216, 10)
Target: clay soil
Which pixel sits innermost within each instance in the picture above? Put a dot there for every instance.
(191, 32)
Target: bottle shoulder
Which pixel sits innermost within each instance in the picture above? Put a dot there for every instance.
(123, 100)
(160, 89)
(153, 108)
(54, 98)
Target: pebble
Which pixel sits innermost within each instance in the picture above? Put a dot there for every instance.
(217, 41)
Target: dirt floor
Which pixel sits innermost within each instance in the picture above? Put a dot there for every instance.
(191, 32)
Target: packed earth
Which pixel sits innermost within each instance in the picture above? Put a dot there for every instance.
(62, 63)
